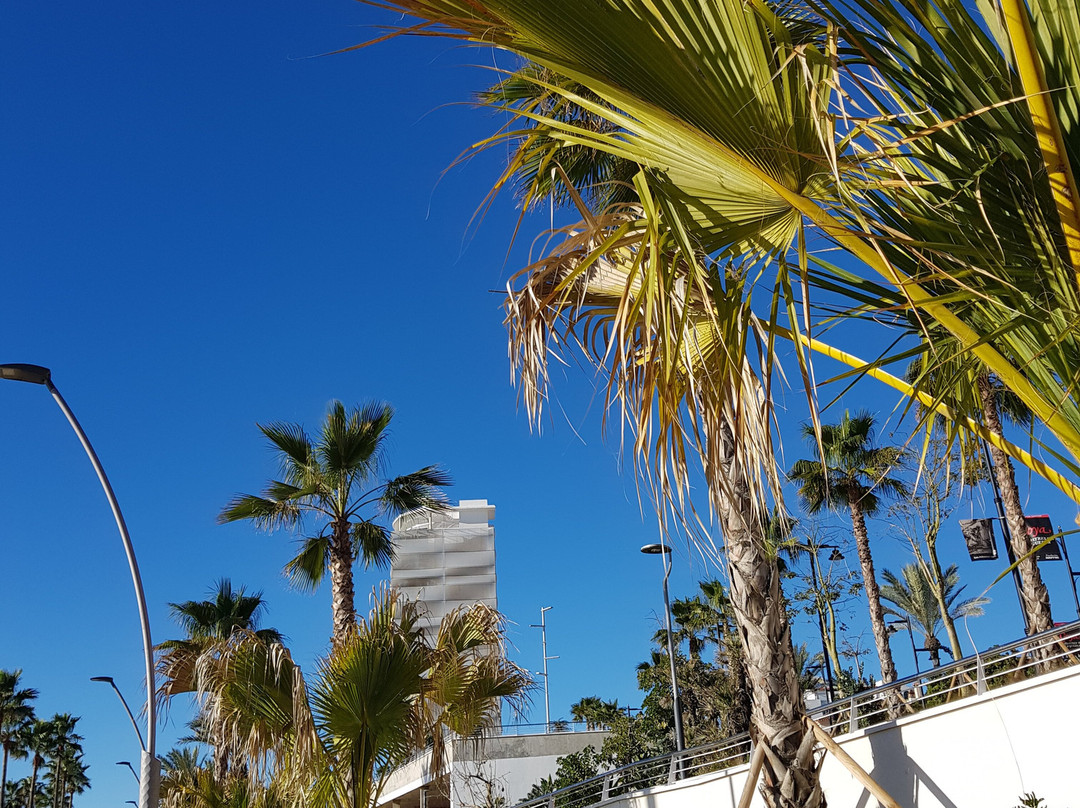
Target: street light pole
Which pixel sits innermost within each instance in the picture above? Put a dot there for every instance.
(819, 608)
(109, 681)
(543, 645)
(127, 763)
(665, 552)
(149, 780)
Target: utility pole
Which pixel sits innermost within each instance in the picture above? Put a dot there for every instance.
(543, 645)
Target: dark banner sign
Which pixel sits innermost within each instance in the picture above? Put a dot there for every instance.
(979, 537)
(1039, 529)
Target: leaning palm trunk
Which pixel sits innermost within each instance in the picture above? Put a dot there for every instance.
(1036, 600)
(873, 593)
(789, 770)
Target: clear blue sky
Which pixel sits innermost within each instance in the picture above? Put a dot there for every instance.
(206, 224)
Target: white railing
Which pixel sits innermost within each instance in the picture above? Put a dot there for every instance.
(970, 676)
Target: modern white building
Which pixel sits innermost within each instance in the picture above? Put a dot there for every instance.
(446, 559)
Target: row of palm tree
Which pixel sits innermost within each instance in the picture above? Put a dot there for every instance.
(55, 750)
(930, 144)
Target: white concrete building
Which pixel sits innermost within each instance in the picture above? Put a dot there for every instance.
(446, 559)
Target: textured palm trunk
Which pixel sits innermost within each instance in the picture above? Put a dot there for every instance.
(1036, 599)
(790, 770)
(3, 777)
(30, 801)
(873, 592)
(343, 597)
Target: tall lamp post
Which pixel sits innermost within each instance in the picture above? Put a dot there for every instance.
(835, 555)
(149, 780)
(543, 645)
(664, 552)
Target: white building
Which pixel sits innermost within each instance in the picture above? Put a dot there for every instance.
(446, 559)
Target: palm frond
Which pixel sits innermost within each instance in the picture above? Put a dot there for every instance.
(306, 569)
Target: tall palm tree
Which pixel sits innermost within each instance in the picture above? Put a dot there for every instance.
(64, 754)
(334, 479)
(212, 627)
(726, 111)
(16, 712)
(913, 596)
(852, 475)
(38, 743)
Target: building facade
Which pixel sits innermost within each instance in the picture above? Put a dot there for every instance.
(446, 559)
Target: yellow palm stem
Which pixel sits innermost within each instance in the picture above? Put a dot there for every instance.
(925, 301)
(1059, 481)
(1047, 128)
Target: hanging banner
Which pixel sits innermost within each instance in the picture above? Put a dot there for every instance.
(979, 537)
(1039, 529)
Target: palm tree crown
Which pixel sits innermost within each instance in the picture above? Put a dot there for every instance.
(913, 596)
(16, 712)
(334, 479)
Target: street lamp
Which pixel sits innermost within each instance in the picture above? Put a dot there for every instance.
(109, 680)
(899, 625)
(543, 645)
(835, 555)
(128, 764)
(149, 780)
(664, 552)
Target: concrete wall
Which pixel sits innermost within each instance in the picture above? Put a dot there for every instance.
(507, 767)
(984, 752)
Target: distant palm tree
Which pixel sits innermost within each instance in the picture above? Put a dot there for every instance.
(212, 626)
(850, 475)
(334, 479)
(64, 754)
(913, 596)
(594, 711)
(38, 743)
(16, 712)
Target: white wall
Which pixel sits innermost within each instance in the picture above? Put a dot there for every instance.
(982, 753)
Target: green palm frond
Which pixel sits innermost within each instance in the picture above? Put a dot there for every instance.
(297, 455)
(308, 567)
(421, 490)
(372, 544)
(266, 514)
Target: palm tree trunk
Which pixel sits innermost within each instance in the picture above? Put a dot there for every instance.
(790, 773)
(3, 777)
(1036, 600)
(873, 592)
(30, 801)
(341, 581)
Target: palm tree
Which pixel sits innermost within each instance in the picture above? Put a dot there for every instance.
(594, 711)
(38, 743)
(383, 693)
(212, 627)
(851, 474)
(328, 479)
(913, 596)
(64, 754)
(16, 712)
(724, 112)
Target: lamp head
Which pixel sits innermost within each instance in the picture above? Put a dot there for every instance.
(18, 372)
(655, 549)
(106, 679)
(836, 555)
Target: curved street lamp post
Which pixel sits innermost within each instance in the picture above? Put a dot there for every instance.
(149, 780)
(665, 552)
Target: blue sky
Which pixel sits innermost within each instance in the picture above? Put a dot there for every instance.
(207, 224)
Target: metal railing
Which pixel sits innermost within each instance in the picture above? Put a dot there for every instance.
(970, 676)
